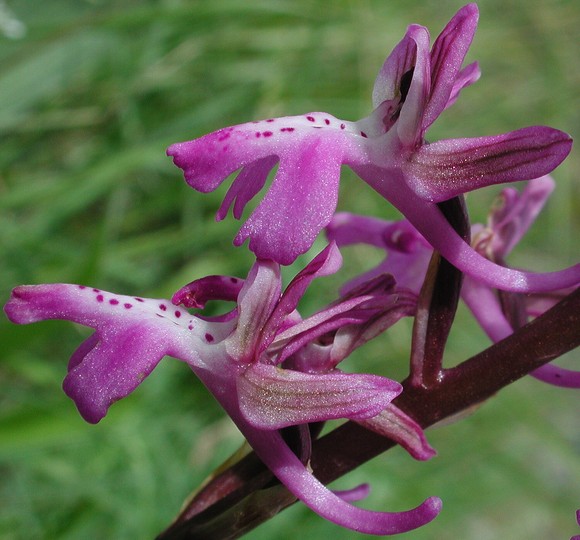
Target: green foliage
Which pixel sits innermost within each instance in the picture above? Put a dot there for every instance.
(91, 95)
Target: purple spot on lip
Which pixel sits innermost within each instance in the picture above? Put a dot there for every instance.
(310, 118)
(139, 299)
(100, 298)
(327, 121)
(178, 314)
(267, 133)
(342, 126)
(127, 305)
(190, 327)
(258, 134)
(113, 302)
(82, 287)
(270, 120)
(364, 134)
(209, 338)
(162, 307)
(287, 129)
(96, 290)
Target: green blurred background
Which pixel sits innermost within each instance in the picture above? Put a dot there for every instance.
(91, 93)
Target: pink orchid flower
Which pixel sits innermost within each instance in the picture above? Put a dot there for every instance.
(387, 150)
(267, 367)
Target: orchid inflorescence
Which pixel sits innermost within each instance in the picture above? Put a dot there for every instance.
(273, 370)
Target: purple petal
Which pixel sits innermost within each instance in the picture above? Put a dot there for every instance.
(344, 326)
(380, 315)
(514, 215)
(84, 348)
(304, 192)
(298, 206)
(272, 398)
(256, 302)
(357, 493)
(466, 77)
(557, 376)
(346, 228)
(445, 169)
(246, 186)
(200, 291)
(327, 262)
(411, 117)
(401, 428)
(131, 336)
(408, 253)
(322, 323)
(272, 450)
(447, 56)
(277, 456)
(484, 303)
(394, 72)
(536, 304)
(486, 308)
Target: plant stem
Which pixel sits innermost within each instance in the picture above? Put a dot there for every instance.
(437, 305)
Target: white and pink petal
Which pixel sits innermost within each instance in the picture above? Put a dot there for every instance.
(273, 398)
(409, 124)
(327, 262)
(257, 300)
(469, 75)
(132, 335)
(310, 150)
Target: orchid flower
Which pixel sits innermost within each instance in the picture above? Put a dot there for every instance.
(262, 362)
(387, 150)
(408, 255)
(498, 314)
